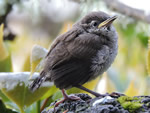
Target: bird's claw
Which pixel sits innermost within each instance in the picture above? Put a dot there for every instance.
(116, 94)
(69, 97)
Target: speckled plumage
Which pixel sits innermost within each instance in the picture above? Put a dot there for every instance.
(81, 54)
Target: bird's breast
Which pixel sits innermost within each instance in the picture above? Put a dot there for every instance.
(102, 61)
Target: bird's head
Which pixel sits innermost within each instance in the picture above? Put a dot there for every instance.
(99, 23)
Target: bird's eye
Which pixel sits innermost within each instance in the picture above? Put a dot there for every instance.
(94, 23)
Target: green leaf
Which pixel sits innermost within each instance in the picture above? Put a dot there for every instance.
(57, 95)
(6, 65)
(5, 58)
(3, 97)
(50, 92)
(36, 60)
(4, 52)
(143, 38)
(148, 58)
(129, 30)
(3, 109)
(15, 87)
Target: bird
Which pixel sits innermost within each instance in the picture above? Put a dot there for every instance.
(81, 54)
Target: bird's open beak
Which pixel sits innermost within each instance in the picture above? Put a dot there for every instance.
(107, 22)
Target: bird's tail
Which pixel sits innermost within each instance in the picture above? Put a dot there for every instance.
(38, 81)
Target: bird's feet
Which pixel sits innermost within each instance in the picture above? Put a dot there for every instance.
(113, 94)
(69, 97)
(116, 94)
(66, 97)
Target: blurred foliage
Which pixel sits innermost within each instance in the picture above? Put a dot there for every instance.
(5, 56)
(148, 58)
(15, 87)
(3, 109)
(4, 51)
(132, 90)
(37, 26)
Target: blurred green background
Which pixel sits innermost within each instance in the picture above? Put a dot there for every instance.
(25, 24)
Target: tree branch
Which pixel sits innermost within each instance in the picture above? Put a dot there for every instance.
(138, 14)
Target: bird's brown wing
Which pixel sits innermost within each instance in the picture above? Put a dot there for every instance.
(84, 46)
(58, 52)
(67, 61)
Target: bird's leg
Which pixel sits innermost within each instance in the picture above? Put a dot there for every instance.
(69, 97)
(66, 97)
(89, 91)
(114, 94)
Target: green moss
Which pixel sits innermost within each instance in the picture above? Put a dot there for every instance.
(147, 104)
(50, 107)
(130, 103)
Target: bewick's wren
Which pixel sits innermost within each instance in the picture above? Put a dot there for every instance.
(81, 54)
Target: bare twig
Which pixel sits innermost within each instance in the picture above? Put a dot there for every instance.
(44, 104)
(138, 14)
